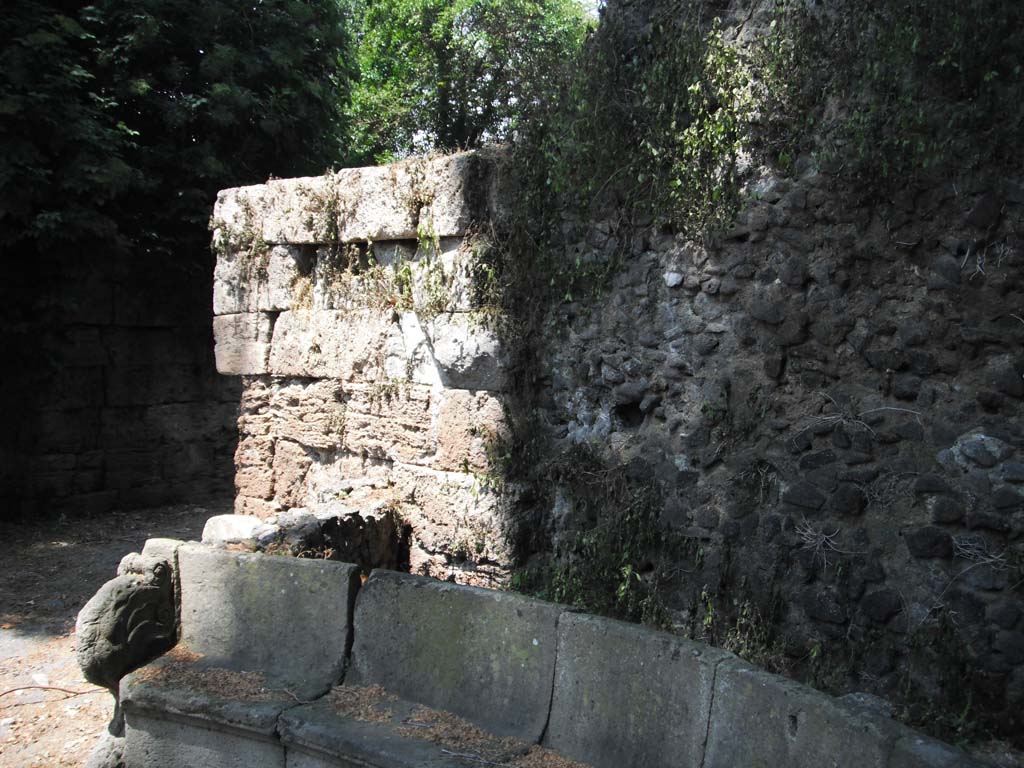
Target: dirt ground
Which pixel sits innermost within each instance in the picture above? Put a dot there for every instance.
(47, 573)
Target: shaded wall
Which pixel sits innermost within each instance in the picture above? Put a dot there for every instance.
(111, 400)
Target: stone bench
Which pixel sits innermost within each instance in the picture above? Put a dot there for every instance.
(485, 656)
(290, 663)
(258, 634)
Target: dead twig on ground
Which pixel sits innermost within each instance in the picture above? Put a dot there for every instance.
(68, 691)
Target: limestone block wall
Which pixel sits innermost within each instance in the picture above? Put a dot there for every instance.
(370, 384)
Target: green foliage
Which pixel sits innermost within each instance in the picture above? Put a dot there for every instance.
(451, 74)
(900, 88)
(62, 152)
(611, 559)
(648, 128)
(122, 119)
(650, 123)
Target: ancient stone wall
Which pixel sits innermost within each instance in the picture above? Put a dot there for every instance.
(831, 396)
(827, 397)
(370, 386)
(111, 397)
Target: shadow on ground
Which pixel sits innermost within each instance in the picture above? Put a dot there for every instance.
(48, 570)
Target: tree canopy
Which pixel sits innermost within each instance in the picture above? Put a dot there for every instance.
(120, 119)
(451, 74)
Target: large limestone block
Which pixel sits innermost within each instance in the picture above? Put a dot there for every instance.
(625, 695)
(393, 423)
(458, 192)
(330, 344)
(264, 281)
(468, 354)
(238, 218)
(434, 197)
(362, 345)
(469, 426)
(762, 719)
(242, 343)
(285, 616)
(429, 276)
(453, 513)
(484, 655)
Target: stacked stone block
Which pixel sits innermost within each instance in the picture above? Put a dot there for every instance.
(372, 382)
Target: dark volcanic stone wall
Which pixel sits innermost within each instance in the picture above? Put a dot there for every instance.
(112, 401)
(832, 394)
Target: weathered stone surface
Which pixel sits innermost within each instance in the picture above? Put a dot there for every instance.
(439, 197)
(484, 655)
(625, 695)
(221, 530)
(108, 752)
(260, 282)
(129, 621)
(155, 742)
(930, 541)
(468, 355)
(396, 423)
(315, 736)
(330, 344)
(305, 411)
(947, 510)
(452, 517)
(291, 463)
(881, 605)
(468, 424)
(804, 495)
(254, 476)
(912, 750)
(282, 615)
(242, 343)
(362, 345)
(761, 719)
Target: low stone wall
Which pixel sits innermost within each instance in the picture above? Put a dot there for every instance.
(370, 385)
(598, 691)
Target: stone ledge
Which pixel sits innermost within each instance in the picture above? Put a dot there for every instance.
(611, 694)
(433, 196)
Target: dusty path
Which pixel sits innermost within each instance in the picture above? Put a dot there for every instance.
(47, 573)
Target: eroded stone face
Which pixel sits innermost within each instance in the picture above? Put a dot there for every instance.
(372, 385)
(130, 620)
